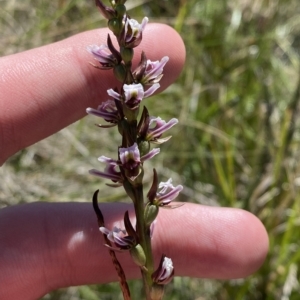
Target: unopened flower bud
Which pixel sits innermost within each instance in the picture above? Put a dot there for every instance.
(138, 255)
(106, 11)
(120, 72)
(157, 292)
(115, 25)
(144, 147)
(164, 272)
(120, 10)
(127, 54)
(151, 212)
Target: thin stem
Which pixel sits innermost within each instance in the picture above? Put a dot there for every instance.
(122, 278)
(144, 239)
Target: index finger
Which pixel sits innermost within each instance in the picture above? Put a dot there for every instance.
(47, 88)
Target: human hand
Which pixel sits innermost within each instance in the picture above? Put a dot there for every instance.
(45, 246)
(45, 89)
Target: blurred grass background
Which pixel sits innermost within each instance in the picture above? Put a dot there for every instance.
(237, 143)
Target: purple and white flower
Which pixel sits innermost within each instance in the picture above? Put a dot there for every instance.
(157, 127)
(106, 110)
(153, 72)
(111, 171)
(133, 93)
(164, 272)
(119, 238)
(133, 31)
(131, 160)
(167, 193)
(130, 157)
(103, 55)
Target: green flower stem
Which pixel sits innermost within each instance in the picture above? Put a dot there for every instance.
(143, 232)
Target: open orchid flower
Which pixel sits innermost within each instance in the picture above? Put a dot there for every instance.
(167, 193)
(119, 238)
(153, 71)
(106, 110)
(133, 94)
(157, 127)
(132, 35)
(112, 170)
(131, 160)
(103, 56)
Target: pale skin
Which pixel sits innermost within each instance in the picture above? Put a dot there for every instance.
(45, 246)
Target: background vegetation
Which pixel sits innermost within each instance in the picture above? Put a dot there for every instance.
(237, 143)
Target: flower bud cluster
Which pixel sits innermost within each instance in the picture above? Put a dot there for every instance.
(122, 109)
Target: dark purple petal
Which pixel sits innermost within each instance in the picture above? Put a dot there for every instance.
(153, 189)
(141, 68)
(106, 11)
